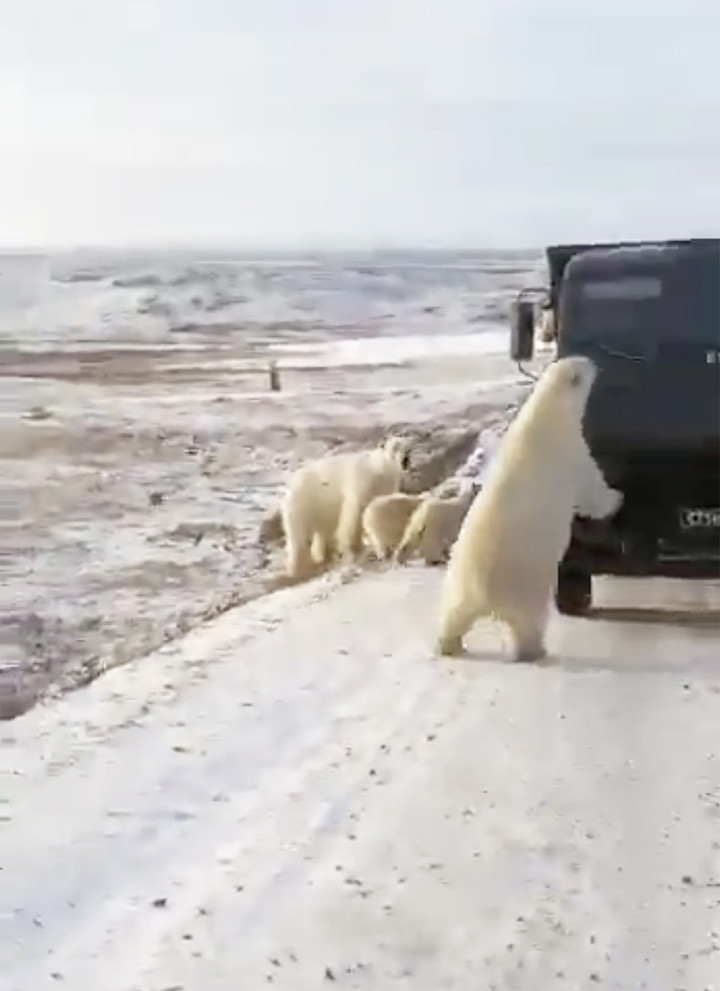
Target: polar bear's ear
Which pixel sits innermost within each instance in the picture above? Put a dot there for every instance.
(398, 448)
(392, 444)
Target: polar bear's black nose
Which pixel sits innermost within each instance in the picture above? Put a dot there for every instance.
(405, 461)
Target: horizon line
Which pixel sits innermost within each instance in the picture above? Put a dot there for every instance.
(265, 249)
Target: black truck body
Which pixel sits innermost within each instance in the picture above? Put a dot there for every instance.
(648, 314)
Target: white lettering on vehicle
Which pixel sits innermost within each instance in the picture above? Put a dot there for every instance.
(693, 519)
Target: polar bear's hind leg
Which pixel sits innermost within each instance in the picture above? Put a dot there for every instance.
(527, 629)
(298, 544)
(455, 622)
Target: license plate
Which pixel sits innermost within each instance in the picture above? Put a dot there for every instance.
(700, 519)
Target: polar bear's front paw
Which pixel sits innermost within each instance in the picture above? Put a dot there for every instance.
(617, 501)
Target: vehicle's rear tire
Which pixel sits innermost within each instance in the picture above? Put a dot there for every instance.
(573, 592)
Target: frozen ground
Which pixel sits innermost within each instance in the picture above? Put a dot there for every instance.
(141, 447)
(299, 796)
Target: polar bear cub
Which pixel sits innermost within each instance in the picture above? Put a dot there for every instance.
(324, 501)
(435, 524)
(504, 562)
(385, 519)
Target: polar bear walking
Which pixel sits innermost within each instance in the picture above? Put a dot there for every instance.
(435, 524)
(504, 562)
(385, 519)
(325, 499)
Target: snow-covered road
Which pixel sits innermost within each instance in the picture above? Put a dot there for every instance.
(299, 796)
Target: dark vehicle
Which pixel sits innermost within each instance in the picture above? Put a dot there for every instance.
(648, 314)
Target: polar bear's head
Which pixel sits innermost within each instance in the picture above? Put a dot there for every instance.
(457, 488)
(550, 421)
(396, 450)
(569, 381)
(468, 489)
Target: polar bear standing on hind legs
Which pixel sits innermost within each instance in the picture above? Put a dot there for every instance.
(324, 502)
(504, 562)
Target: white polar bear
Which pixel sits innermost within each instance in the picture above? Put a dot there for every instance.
(324, 502)
(504, 562)
(435, 524)
(385, 519)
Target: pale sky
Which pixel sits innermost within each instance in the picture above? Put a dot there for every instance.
(353, 123)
